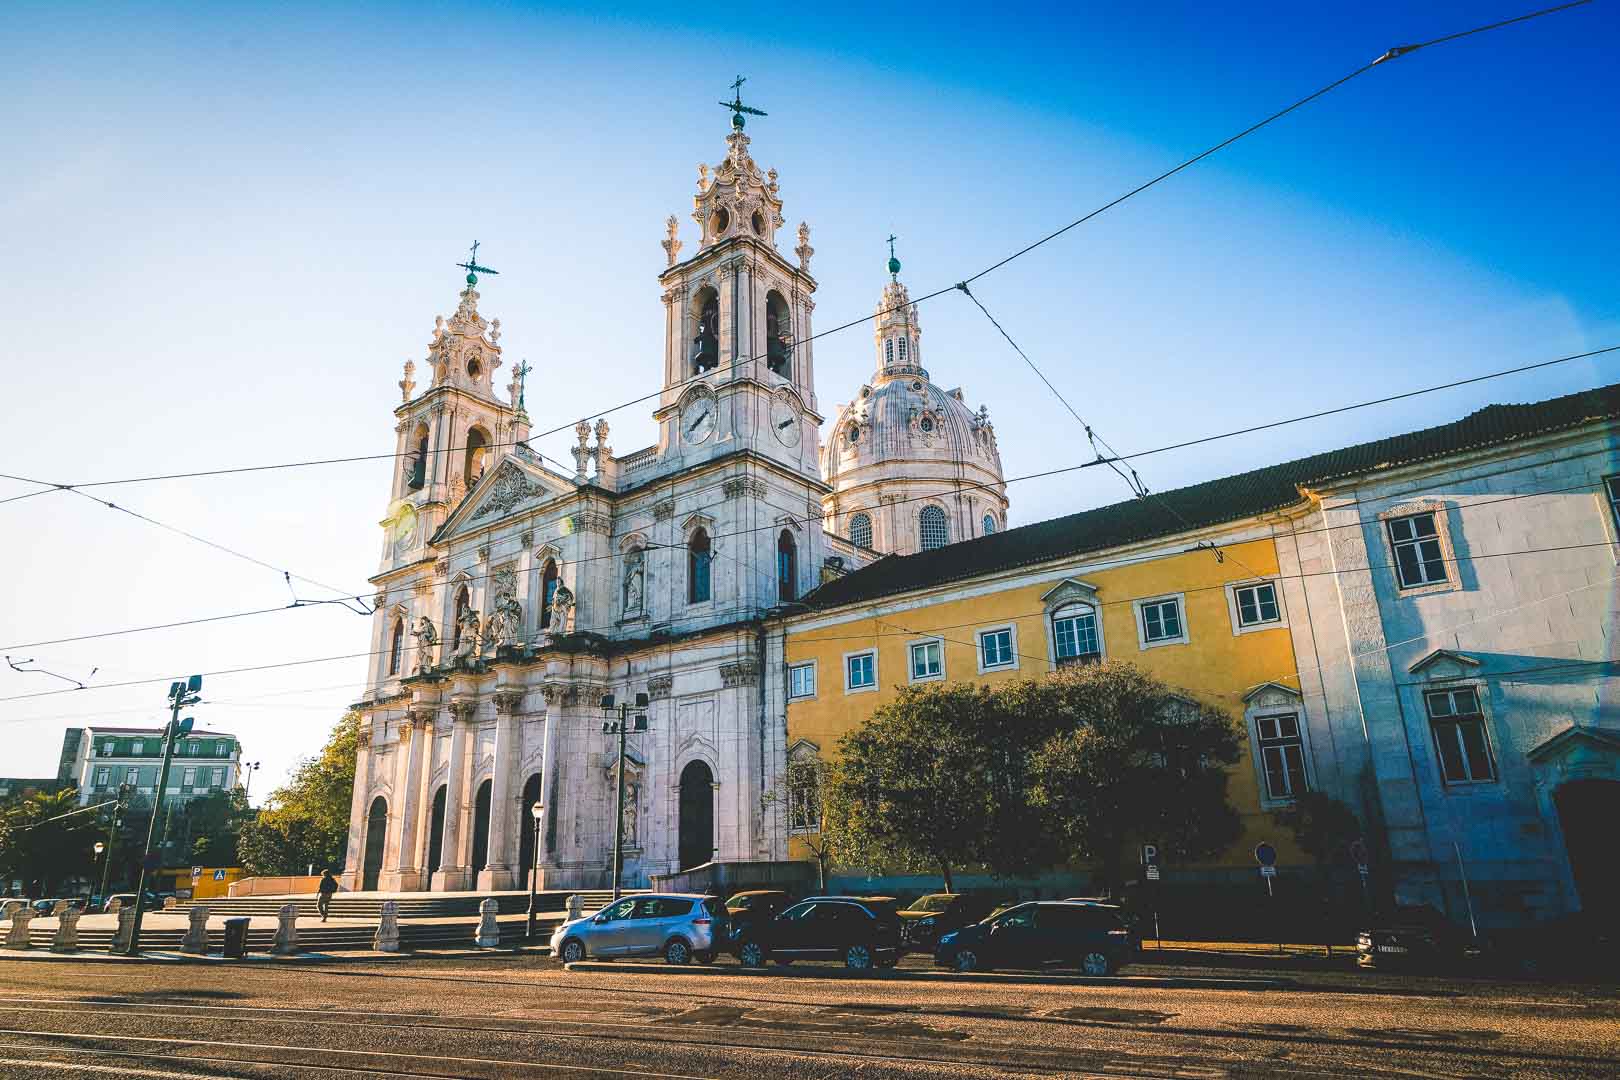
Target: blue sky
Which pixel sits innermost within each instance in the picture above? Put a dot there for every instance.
(227, 227)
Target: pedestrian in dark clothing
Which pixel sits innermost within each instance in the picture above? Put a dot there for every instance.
(327, 887)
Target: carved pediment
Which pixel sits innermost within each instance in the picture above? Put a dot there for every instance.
(1271, 695)
(1444, 664)
(1577, 746)
(1070, 591)
(509, 488)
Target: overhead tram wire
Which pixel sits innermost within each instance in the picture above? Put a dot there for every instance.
(1390, 54)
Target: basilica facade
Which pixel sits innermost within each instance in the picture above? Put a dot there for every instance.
(514, 596)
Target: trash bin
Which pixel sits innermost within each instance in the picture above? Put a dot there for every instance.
(236, 938)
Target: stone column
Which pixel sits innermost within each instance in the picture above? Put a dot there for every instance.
(453, 867)
(498, 872)
(548, 840)
(354, 862)
(424, 800)
(399, 874)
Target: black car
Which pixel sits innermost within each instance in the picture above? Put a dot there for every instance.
(862, 935)
(1416, 936)
(1039, 934)
(755, 905)
(927, 917)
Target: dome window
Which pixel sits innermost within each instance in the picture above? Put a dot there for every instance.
(722, 221)
(902, 350)
(854, 434)
(916, 384)
(888, 351)
(931, 532)
(860, 530)
(989, 524)
(927, 425)
(758, 222)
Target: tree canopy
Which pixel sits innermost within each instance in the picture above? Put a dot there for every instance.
(306, 820)
(41, 846)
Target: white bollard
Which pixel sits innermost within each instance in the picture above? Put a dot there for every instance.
(114, 906)
(9, 906)
(59, 907)
(196, 940)
(125, 931)
(576, 907)
(18, 938)
(170, 903)
(489, 931)
(287, 933)
(67, 932)
(387, 939)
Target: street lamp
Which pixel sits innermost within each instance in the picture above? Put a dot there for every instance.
(100, 847)
(621, 727)
(538, 811)
(248, 769)
(182, 693)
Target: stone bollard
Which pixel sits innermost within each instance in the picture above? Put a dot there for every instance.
(196, 940)
(18, 938)
(489, 931)
(125, 931)
(287, 933)
(59, 907)
(67, 932)
(387, 939)
(10, 906)
(170, 903)
(576, 907)
(114, 906)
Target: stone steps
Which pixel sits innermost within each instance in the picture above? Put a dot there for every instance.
(310, 938)
(410, 906)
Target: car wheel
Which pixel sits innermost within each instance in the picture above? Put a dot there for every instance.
(966, 960)
(751, 955)
(858, 958)
(677, 951)
(704, 957)
(1096, 963)
(573, 951)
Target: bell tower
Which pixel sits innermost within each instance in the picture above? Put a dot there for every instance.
(739, 368)
(454, 430)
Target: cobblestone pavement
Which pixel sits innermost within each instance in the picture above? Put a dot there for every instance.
(522, 1016)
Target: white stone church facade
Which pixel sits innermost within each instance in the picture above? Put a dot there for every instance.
(513, 596)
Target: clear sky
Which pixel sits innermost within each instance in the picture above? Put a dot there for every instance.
(223, 229)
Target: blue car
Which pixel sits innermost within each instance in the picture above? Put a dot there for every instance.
(1040, 934)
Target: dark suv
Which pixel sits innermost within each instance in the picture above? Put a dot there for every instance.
(862, 935)
(1040, 934)
(929, 916)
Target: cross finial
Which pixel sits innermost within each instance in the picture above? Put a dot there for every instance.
(736, 104)
(472, 267)
(894, 263)
(522, 374)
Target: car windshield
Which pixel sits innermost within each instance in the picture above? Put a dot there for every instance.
(934, 902)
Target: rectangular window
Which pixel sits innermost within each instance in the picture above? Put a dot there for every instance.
(1161, 620)
(103, 777)
(188, 778)
(861, 671)
(995, 648)
(1282, 755)
(1074, 634)
(133, 776)
(927, 660)
(137, 748)
(1418, 557)
(107, 748)
(1612, 486)
(222, 749)
(1257, 604)
(217, 778)
(1460, 737)
(802, 681)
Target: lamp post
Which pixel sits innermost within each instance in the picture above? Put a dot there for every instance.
(181, 694)
(621, 727)
(248, 769)
(537, 810)
(99, 849)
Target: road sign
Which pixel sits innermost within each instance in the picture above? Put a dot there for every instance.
(1150, 854)
(1265, 854)
(219, 875)
(1152, 872)
(1267, 870)
(196, 872)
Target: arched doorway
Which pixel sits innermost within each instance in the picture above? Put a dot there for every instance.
(436, 836)
(480, 847)
(697, 815)
(1587, 813)
(531, 795)
(376, 835)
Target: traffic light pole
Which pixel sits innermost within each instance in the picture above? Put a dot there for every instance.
(181, 694)
(106, 863)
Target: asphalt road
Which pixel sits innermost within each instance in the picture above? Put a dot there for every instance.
(507, 1016)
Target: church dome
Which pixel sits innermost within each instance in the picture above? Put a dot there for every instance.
(912, 465)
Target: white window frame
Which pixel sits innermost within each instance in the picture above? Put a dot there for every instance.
(137, 747)
(850, 688)
(216, 778)
(1139, 609)
(794, 671)
(911, 660)
(1066, 594)
(871, 529)
(188, 777)
(1442, 531)
(1068, 611)
(222, 748)
(946, 526)
(132, 777)
(1011, 663)
(103, 776)
(1484, 714)
(1261, 744)
(107, 748)
(1236, 611)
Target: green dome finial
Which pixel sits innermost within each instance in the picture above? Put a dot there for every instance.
(894, 263)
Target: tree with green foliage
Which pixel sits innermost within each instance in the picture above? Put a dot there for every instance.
(306, 820)
(213, 825)
(1324, 826)
(1133, 760)
(47, 837)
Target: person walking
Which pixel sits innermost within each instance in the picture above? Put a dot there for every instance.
(327, 887)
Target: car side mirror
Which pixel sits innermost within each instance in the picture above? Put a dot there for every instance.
(602, 918)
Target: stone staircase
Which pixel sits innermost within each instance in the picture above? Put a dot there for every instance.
(311, 939)
(410, 905)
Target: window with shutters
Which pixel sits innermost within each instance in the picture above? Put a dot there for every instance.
(931, 532)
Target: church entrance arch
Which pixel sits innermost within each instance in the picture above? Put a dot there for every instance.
(480, 845)
(697, 815)
(435, 836)
(531, 795)
(376, 835)
(1587, 812)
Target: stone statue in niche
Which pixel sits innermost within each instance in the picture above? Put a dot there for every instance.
(506, 621)
(562, 609)
(706, 343)
(469, 628)
(634, 581)
(427, 641)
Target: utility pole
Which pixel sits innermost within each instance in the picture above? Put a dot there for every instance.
(181, 694)
(112, 829)
(621, 727)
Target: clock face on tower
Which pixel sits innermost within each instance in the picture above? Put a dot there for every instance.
(697, 419)
(785, 422)
(404, 527)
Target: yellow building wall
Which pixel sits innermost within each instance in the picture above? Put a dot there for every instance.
(1216, 666)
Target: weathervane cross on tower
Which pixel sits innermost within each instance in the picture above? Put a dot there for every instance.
(522, 377)
(894, 263)
(472, 267)
(736, 105)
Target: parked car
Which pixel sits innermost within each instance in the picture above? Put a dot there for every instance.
(1131, 919)
(863, 935)
(1417, 936)
(127, 900)
(753, 905)
(681, 926)
(1038, 934)
(43, 907)
(929, 916)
